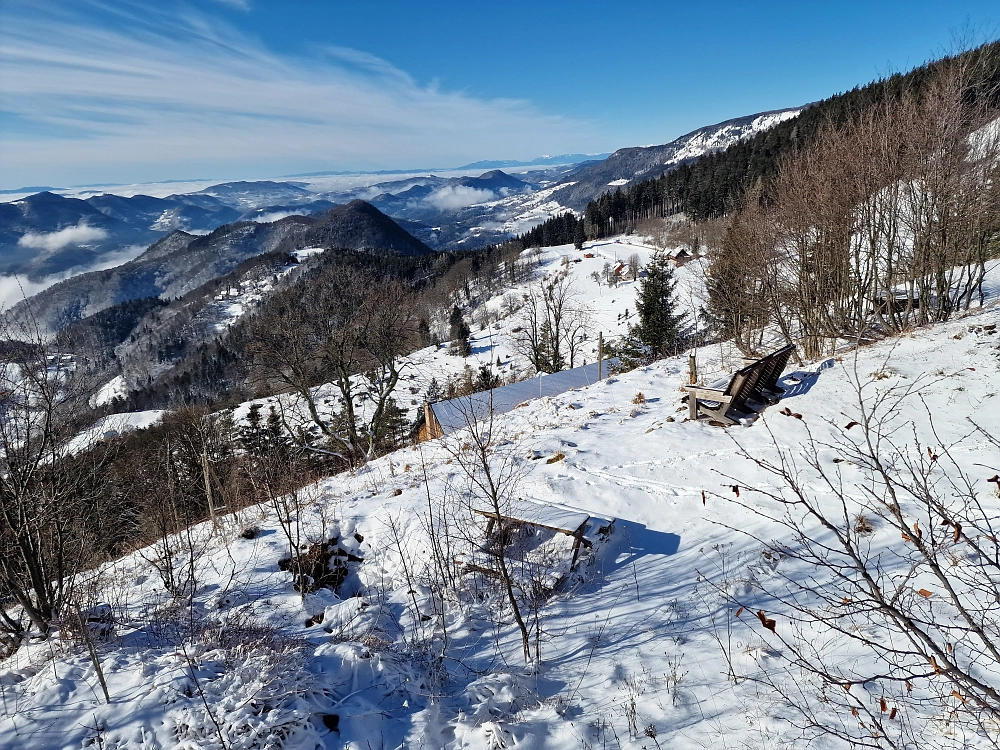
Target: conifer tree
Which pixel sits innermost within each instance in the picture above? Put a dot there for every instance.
(486, 380)
(580, 236)
(434, 392)
(460, 332)
(660, 326)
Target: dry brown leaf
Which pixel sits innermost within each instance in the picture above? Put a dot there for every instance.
(766, 621)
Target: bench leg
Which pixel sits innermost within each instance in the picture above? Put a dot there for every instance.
(692, 407)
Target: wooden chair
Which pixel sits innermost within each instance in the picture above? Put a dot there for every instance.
(747, 393)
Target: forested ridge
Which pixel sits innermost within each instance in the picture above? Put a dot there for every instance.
(711, 185)
(217, 372)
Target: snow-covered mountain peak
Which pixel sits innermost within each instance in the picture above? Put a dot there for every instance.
(722, 136)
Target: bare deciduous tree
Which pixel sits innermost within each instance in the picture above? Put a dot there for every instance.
(634, 266)
(353, 330)
(887, 573)
(491, 469)
(885, 222)
(49, 484)
(553, 325)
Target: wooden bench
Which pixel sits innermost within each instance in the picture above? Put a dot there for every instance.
(571, 524)
(747, 392)
(584, 530)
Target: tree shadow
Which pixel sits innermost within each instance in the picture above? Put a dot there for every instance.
(800, 382)
(482, 347)
(638, 541)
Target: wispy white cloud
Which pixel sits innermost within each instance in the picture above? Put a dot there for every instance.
(458, 196)
(14, 289)
(274, 216)
(145, 94)
(238, 4)
(52, 241)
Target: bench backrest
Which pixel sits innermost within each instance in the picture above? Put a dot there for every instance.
(751, 381)
(744, 383)
(775, 364)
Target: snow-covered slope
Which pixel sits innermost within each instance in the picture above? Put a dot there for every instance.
(608, 310)
(515, 214)
(635, 648)
(628, 165)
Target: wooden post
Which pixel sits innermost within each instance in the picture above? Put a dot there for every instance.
(693, 377)
(92, 649)
(600, 355)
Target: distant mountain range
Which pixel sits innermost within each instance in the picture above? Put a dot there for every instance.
(541, 161)
(46, 235)
(434, 199)
(181, 262)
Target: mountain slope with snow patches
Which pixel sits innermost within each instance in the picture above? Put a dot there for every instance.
(635, 647)
(629, 165)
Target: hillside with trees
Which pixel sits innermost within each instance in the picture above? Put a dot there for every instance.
(715, 184)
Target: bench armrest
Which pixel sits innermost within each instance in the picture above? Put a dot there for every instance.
(711, 394)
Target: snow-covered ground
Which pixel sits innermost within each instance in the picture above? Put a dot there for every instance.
(516, 214)
(609, 310)
(112, 426)
(722, 138)
(631, 648)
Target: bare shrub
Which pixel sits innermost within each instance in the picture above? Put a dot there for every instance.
(901, 553)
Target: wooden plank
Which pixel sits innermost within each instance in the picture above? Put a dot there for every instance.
(776, 363)
(493, 517)
(712, 394)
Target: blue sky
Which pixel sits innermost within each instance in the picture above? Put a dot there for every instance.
(126, 91)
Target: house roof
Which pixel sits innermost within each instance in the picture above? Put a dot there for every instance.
(457, 413)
